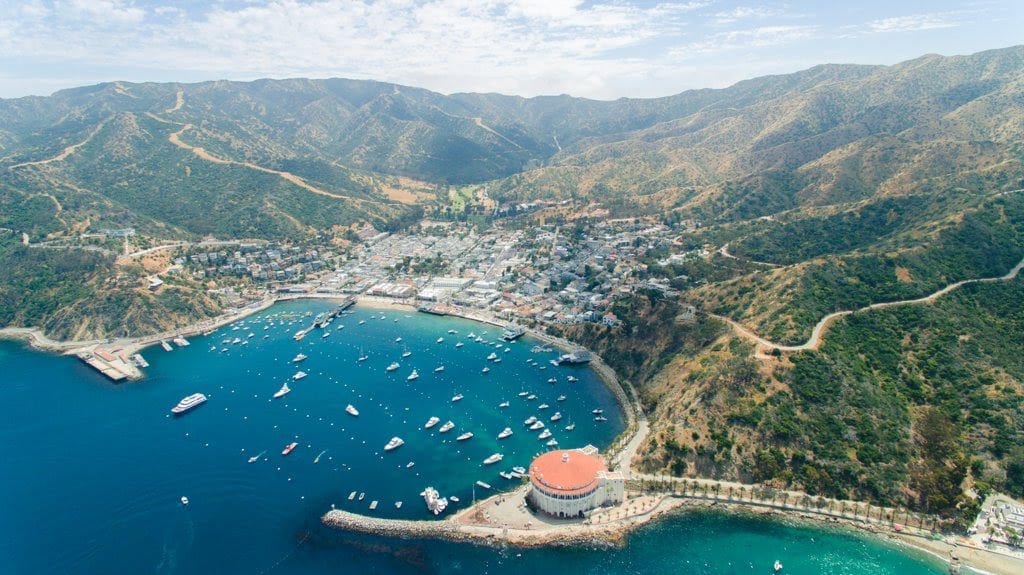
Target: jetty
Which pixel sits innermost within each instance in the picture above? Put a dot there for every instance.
(115, 363)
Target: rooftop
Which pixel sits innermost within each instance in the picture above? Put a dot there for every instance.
(566, 472)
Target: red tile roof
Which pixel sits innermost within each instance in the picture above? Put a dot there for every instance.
(566, 472)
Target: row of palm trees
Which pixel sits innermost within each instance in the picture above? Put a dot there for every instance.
(771, 497)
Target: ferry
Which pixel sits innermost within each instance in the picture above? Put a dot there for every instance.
(485, 370)
(457, 397)
(512, 333)
(165, 345)
(257, 457)
(544, 434)
(560, 398)
(299, 358)
(536, 425)
(299, 375)
(190, 402)
(395, 443)
(180, 341)
(285, 390)
(431, 422)
(505, 433)
(556, 416)
(503, 404)
(435, 503)
(494, 458)
(465, 436)
(432, 309)
(349, 409)
(394, 365)
(531, 420)
(576, 357)
(412, 376)
(448, 425)
(289, 448)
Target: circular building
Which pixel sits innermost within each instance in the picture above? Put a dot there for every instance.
(570, 482)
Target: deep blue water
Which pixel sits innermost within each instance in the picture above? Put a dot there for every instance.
(92, 472)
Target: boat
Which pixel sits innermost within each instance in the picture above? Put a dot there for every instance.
(530, 420)
(394, 365)
(435, 503)
(523, 394)
(432, 309)
(452, 332)
(325, 334)
(543, 406)
(512, 333)
(503, 404)
(299, 375)
(576, 357)
(285, 390)
(600, 418)
(362, 356)
(493, 458)
(506, 474)
(570, 427)
(439, 369)
(454, 499)
(560, 398)
(190, 402)
(362, 321)
(485, 370)
(497, 360)
(373, 505)
(289, 448)
(544, 434)
(141, 361)
(552, 380)
(398, 504)
(531, 397)
(412, 376)
(552, 443)
(448, 425)
(406, 353)
(597, 411)
(397, 339)
(572, 379)
(777, 566)
(556, 416)
(410, 464)
(484, 485)
(180, 341)
(471, 335)
(299, 358)
(256, 457)
(362, 495)
(318, 456)
(184, 500)
(458, 344)
(492, 357)
(536, 425)
(440, 340)
(431, 422)
(520, 470)
(349, 409)
(505, 433)
(352, 496)
(165, 345)
(465, 436)
(299, 335)
(457, 397)
(395, 443)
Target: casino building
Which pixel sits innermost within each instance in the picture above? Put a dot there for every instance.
(572, 482)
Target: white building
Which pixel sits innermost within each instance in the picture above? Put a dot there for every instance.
(572, 482)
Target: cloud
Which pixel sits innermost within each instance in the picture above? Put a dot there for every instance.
(107, 11)
(744, 13)
(914, 22)
(757, 37)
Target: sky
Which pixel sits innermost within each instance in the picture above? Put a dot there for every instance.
(601, 49)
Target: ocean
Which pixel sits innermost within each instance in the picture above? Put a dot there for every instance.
(93, 472)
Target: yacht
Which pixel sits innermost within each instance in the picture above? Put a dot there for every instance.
(454, 499)
(448, 425)
(497, 360)
(543, 406)
(506, 475)
(485, 370)
(299, 358)
(394, 365)
(190, 402)
(452, 331)
(412, 376)
(362, 321)
(484, 485)
(181, 341)
(299, 375)
(410, 464)
(572, 379)
(325, 334)
(561, 398)
(395, 443)
(398, 340)
(503, 404)
(536, 425)
(458, 344)
(289, 448)
(465, 436)
(597, 411)
(494, 458)
(531, 397)
(552, 443)
(431, 422)
(435, 503)
(531, 420)
(406, 353)
(439, 369)
(299, 335)
(492, 357)
(184, 501)
(520, 470)
(544, 434)
(552, 380)
(523, 394)
(285, 390)
(457, 397)
(556, 416)
(440, 340)
(600, 418)
(505, 433)
(471, 335)
(349, 409)
(570, 427)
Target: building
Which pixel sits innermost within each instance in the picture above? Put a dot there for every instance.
(572, 482)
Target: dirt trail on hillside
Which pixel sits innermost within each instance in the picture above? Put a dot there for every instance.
(67, 151)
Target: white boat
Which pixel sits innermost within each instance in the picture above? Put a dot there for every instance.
(412, 376)
(299, 375)
(561, 398)
(523, 394)
(397, 339)
(572, 379)
(165, 345)
(777, 566)
(285, 390)
(180, 341)
(492, 357)
(362, 321)
(431, 422)
(503, 404)
(448, 425)
(465, 436)
(506, 475)
(190, 402)
(362, 356)
(373, 505)
(597, 411)
(410, 464)
(184, 500)
(406, 353)
(299, 335)
(141, 361)
(570, 427)
(299, 358)
(536, 425)
(440, 340)
(552, 380)
(454, 499)
(530, 420)
(452, 331)
(544, 434)
(318, 456)
(394, 365)
(435, 503)
(531, 397)
(484, 485)
(349, 409)
(485, 370)
(256, 457)
(361, 496)
(543, 406)
(519, 470)
(556, 416)
(552, 443)
(494, 458)
(457, 397)
(505, 433)
(458, 344)
(600, 418)
(395, 443)
(497, 360)
(398, 504)
(471, 335)
(352, 496)
(439, 369)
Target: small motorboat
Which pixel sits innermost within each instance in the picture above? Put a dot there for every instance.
(349, 409)
(777, 566)
(465, 436)
(457, 397)
(184, 501)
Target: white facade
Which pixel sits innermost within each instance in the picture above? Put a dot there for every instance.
(608, 489)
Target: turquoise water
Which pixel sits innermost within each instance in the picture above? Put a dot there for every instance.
(92, 472)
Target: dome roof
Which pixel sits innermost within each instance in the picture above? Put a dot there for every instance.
(566, 472)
